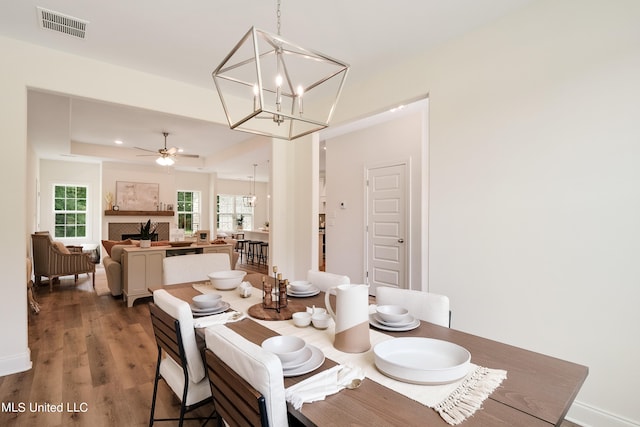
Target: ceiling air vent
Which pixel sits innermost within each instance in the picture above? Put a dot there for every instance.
(62, 23)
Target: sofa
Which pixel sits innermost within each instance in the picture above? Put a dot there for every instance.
(112, 263)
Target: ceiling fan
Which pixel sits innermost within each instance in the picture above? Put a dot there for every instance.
(166, 155)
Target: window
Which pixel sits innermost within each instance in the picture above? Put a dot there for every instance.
(233, 214)
(70, 210)
(189, 211)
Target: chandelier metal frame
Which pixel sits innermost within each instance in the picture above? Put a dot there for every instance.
(270, 86)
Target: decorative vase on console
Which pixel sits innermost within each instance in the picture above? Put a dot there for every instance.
(146, 231)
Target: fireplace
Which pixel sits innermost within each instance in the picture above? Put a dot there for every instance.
(131, 230)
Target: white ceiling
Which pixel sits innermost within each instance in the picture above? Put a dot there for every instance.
(186, 40)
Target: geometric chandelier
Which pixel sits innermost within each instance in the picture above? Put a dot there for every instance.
(270, 86)
(250, 200)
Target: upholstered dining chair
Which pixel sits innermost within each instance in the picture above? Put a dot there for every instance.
(53, 259)
(246, 380)
(425, 306)
(179, 361)
(188, 268)
(324, 280)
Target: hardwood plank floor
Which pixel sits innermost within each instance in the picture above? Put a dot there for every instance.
(94, 356)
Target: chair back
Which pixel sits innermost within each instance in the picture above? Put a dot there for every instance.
(40, 243)
(260, 369)
(172, 322)
(190, 268)
(237, 402)
(425, 306)
(324, 280)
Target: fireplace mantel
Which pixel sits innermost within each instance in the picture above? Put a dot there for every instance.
(139, 213)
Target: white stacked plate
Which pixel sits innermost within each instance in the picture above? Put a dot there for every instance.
(313, 291)
(220, 308)
(406, 324)
(310, 360)
(422, 360)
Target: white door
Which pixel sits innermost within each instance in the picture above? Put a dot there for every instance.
(386, 226)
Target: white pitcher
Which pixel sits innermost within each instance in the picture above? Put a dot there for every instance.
(351, 317)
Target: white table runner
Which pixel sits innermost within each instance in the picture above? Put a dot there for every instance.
(454, 402)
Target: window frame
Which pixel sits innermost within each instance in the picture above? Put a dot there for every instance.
(248, 213)
(195, 214)
(68, 211)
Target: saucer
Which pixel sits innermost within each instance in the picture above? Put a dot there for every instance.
(310, 293)
(409, 320)
(316, 360)
(223, 306)
(376, 324)
(298, 361)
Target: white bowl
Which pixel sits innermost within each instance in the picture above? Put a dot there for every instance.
(207, 300)
(301, 319)
(286, 347)
(321, 321)
(227, 279)
(392, 313)
(300, 286)
(422, 360)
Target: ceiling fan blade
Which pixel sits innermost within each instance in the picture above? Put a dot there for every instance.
(193, 156)
(144, 149)
(147, 155)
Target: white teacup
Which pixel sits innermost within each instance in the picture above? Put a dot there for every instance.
(301, 319)
(321, 320)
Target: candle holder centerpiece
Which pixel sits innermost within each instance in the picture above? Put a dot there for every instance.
(274, 291)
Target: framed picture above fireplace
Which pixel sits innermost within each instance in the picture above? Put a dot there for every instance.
(137, 196)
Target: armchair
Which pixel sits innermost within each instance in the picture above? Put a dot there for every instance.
(53, 259)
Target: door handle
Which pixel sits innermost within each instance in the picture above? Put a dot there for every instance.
(401, 240)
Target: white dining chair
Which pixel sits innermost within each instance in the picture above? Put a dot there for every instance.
(189, 268)
(324, 280)
(179, 361)
(425, 306)
(258, 367)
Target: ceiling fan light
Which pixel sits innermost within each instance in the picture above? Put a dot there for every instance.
(164, 161)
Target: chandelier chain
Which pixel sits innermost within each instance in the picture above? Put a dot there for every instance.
(278, 14)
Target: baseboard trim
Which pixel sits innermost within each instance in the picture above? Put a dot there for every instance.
(15, 363)
(590, 416)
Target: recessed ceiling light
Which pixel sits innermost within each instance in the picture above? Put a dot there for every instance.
(118, 141)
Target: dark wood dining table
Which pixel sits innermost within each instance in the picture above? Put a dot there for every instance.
(538, 391)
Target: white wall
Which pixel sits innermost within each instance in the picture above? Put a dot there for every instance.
(347, 158)
(53, 172)
(14, 352)
(534, 195)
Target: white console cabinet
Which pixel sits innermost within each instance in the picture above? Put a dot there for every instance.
(142, 267)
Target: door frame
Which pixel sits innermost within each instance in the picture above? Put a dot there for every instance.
(407, 218)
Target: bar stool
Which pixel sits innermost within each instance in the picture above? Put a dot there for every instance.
(264, 253)
(252, 252)
(240, 247)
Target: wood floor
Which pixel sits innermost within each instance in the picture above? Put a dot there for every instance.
(90, 353)
(93, 355)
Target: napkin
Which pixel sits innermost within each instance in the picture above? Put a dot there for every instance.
(322, 384)
(218, 319)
